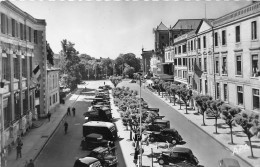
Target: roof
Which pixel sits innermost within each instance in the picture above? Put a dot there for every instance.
(94, 135)
(181, 149)
(161, 120)
(186, 24)
(100, 149)
(162, 27)
(99, 123)
(88, 160)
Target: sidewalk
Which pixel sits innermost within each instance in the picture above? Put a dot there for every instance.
(241, 147)
(35, 139)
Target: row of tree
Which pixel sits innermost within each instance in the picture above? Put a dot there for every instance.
(249, 121)
(76, 67)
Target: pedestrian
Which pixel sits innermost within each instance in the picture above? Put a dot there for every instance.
(66, 127)
(31, 164)
(18, 151)
(19, 141)
(74, 111)
(49, 116)
(68, 111)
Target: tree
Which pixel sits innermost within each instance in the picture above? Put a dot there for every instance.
(185, 96)
(174, 88)
(228, 114)
(201, 101)
(179, 92)
(129, 71)
(115, 80)
(129, 59)
(214, 109)
(248, 121)
(50, 54)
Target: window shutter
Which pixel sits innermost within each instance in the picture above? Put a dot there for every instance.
(9, 26)
(32, 35)
(17, 29)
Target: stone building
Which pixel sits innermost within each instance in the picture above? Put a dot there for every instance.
(22, 49)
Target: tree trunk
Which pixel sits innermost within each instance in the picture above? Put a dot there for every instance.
(231, 133)
(186, 108)
(174, 100)
(170, 98)
(249, 139)
(216, 120)
(203, 118)
(180, 101)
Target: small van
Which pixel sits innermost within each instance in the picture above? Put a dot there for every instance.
(107, 129)
(87, 162)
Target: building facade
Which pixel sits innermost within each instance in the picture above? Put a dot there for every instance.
(22, 48)
(53, 88)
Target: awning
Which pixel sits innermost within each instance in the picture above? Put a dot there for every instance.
(167, 63)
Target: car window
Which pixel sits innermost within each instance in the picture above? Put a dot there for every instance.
(174, 155)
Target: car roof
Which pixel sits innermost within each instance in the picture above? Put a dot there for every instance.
(100, 149)
(230, 162)
(99, 123)
(94, 135)
(88, 160)
(179, 149)
(161, 120)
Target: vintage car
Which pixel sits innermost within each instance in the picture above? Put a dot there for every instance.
(92, 141)
(165, 135)
(133, 81)
(177, 155)
(105, 156)
(153, 109)
(228, 162)
(87, 162)
(158, 124)
(100, 114)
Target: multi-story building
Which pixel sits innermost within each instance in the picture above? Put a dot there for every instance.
(22, 49)
(53, 88)
(146, 59)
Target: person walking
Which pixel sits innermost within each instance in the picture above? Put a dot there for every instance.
(68, 111)
(18, 151)
(49, 116)
(74, 111)
(66, 127)
(26, 163)
(31, 164)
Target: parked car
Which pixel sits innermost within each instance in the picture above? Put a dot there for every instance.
(133, 81)
(92, 141)
(87, 162)
(107, 129)
(165, 135)
(177, 155)
(158, 125)
(105, 156)
(228, 162)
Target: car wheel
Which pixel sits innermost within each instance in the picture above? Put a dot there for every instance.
(152, 139)
(161, 161)
(173, 141)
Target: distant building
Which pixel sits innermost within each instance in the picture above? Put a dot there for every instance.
(145, 61)
(53, 88)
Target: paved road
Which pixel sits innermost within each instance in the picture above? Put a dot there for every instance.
(206, 149)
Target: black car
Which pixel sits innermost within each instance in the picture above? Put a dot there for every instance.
(92, 141)
(105, 156)
(177, 155)
(158, 124)
(165, 135)
(87, 162)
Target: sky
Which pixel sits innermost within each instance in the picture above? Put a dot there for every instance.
(109, 28)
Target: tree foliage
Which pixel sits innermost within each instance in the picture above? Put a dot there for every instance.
(115, 80)
(50, 54)
(124, 60)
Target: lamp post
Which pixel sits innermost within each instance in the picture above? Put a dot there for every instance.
(140, 108)
(2, 126)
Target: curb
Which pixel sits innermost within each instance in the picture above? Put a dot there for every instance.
(206, 132)
(55, 129)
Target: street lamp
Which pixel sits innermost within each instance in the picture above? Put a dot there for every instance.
(140, 108)
(2, 84)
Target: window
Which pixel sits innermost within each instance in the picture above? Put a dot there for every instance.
(254, 65)
(194, 44)
(224, 65)
(3, 23)
(16, 67)
(179, 49)
(224, 42)
(217, 65)
(53, 97)
(175, 61)
(35, 37)
(191, 45)
(21, 31)
(225, 92)
(31, 68)
(198, 43)
(240, 95)
(50, 100)
(175, 50)
(13, 28)
(24, 67)
(253, 30)
(184, 48)
(25, 32)
(188, 45)
(256, 99)
(204, 42)
(237, 33)
(218, 91)
(189, 64)
(216, 38)
(200, 86)
(184, 75)
(238, 65)
(5, 67)
(179, 74)
(206, 86)
(200, 63)
(179, 61)
(16, 29)
(205, 64)
(30, 34)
